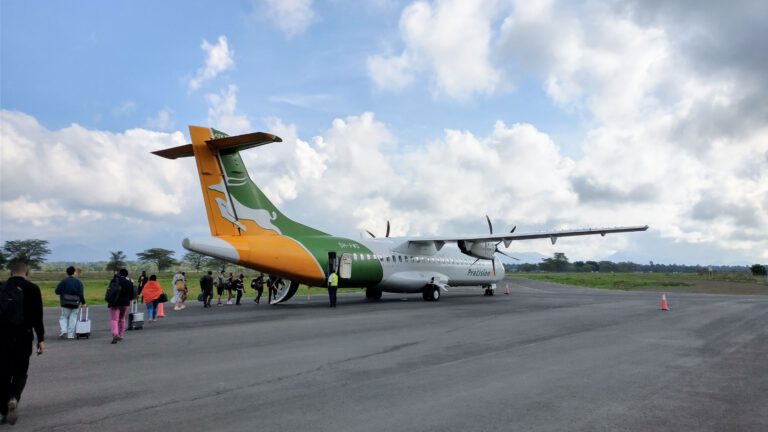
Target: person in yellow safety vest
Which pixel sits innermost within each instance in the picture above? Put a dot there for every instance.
(333, 285)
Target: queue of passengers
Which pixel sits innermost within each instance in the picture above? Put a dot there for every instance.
(122, 292)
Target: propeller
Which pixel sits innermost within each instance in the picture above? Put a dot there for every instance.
(386, 235)
(490, 229)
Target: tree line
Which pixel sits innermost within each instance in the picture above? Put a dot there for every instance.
(33, 253)
(560, 263)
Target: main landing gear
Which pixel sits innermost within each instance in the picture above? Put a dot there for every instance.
(488, 290)
(373, 293)
(431, 293)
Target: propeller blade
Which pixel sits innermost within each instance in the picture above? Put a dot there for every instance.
(387, 230)
(506, 255)
(370, 233)
(493, 264)
(490, 226)
(474, 262)
(513, 229)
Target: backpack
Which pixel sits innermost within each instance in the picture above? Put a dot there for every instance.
(11, 304)
(113, 291)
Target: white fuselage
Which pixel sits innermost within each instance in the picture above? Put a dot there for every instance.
(409, 272)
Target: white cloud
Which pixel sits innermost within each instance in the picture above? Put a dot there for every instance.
(450, 41)
(84, 175)
(219, 58)
(161, 121)
(292, 17)
(126, 108)
(223, 115)
(650, 149)
(391, 72)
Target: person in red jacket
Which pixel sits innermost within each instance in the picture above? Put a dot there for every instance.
(152, 292)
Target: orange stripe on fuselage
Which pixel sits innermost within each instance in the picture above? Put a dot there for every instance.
(277, 254)
(210, 174)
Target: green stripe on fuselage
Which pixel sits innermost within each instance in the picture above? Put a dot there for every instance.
(365, 272)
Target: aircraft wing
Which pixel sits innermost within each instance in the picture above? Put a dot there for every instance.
(508, 238)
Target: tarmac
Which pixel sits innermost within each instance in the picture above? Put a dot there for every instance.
(545, 357)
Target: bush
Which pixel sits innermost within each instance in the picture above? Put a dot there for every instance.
(758, 270)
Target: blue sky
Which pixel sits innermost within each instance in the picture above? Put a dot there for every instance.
(426, 113)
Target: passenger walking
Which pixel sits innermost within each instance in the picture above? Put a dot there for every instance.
(229, 285)
(22, 306)
(239, 286)
(142, 281)
(118, 307)
(333, 285)
(218, 283)
(206, 286)
(272, 282)
(151, 293)
(70, 292)
(180, 291)
(257, 284)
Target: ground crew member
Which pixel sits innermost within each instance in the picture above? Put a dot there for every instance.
(333, 285)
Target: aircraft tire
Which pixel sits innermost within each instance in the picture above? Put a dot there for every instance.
(435, 294)
(373, 293)
(426, 293)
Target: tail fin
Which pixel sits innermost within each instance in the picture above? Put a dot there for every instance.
(235, 205)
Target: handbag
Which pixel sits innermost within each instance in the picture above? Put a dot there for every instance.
(72, 300)
(163, 298)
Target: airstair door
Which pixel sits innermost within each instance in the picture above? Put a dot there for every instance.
(331, 262)
(345, 266)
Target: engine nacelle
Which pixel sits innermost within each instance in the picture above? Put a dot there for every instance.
(483, 250)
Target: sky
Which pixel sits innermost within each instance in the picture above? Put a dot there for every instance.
(429, 114)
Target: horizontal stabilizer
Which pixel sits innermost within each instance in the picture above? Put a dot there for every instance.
(233, 143)
(175, 152)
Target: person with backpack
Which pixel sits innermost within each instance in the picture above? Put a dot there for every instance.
(257, 284)
(70, 292)
(119, 296)
(21, 313)
(206, 286)
(239, 286)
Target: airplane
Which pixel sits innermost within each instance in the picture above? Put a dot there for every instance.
(247, 229)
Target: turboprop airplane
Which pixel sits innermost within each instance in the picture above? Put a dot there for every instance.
(248, 230)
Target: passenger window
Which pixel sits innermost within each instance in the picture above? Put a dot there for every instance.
(400, 257)
(387, 259)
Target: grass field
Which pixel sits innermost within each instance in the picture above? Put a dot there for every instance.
(727, 283)
(96, 284)
(719, 283)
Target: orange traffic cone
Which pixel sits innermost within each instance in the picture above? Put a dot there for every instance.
(664, 305)
(160, 313)
(506, 290)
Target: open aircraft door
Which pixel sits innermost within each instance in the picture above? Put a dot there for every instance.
(345, 266)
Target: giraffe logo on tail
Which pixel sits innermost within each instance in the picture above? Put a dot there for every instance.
(260, 217)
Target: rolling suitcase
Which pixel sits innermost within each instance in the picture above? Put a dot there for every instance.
(135, 318)
(83, 326)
